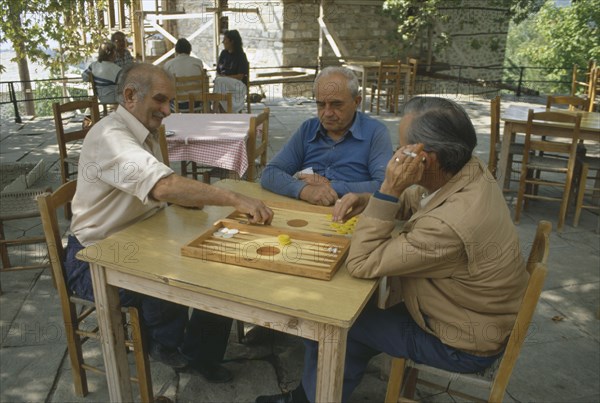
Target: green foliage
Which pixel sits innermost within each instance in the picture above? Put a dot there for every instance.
(415, 17)
(48, 92)
(556, 38)
(32, 25)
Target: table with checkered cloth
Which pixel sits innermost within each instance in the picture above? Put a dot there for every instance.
(216, 140)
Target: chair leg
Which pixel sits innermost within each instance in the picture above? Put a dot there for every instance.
(580, 194)
(520, 194)
(75, 353)
(3, 248)
(394, 386)
(240, 330)
(141, 358)
(411, 383)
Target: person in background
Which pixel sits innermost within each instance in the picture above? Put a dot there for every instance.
(454, 289)
(232, 71)
(122, 180)
(123, 57)
(340, 151)
(184, 65)
(105, 73)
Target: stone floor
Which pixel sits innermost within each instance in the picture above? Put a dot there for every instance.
(560, 361)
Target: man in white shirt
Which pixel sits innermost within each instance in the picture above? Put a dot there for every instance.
(122, 180)
(184, 65)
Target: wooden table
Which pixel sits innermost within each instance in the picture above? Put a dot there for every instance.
(366, 66)
(209, 139)
(515, 121)
(146, 258)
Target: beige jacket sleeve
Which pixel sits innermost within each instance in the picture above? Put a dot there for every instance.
(430, 249)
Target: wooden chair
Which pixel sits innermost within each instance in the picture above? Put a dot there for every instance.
(572, 101)
(63, 137)
(188, 92)
(19, 205)
(495, 145)
(78, 330)
(164, 148)
(389, 80)
(106, 107)
(584, 165)
(257, 143)
(413, 64)
(589, 84)
(248, 99)
(496, 378)
(211, 102)
(550, 163)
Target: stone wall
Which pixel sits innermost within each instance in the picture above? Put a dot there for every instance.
(286, 33)
(477, 39)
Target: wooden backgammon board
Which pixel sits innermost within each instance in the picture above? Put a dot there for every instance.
(316, 219)
(280, 249)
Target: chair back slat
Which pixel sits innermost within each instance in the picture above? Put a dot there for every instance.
(64, 137)
(256, 148)
(211, 102)
(190, 89)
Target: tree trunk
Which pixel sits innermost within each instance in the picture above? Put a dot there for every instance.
(26, 81)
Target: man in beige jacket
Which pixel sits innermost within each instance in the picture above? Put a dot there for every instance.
(457, 257)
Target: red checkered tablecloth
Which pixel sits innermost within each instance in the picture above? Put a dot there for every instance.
(216, 140)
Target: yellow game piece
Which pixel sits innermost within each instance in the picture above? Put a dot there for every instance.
(284, 239)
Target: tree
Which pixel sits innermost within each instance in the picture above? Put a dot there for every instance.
(33, 25)
(557, 38)
(417, 18)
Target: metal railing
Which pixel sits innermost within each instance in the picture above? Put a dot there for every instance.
(519, 79)
(39, 94)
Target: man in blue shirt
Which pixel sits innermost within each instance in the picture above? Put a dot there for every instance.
(338, 152)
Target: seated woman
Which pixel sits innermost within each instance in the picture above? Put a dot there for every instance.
(456, 260)
(105, 73)
(232, 71)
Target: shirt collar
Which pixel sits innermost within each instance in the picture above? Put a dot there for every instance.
(136, 127)
(354, 130)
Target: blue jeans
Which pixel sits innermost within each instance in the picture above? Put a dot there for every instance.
(202, 337)
(392, 331)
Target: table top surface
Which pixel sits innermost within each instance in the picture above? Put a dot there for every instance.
(207, 126)
(151, 249)
(518, 114)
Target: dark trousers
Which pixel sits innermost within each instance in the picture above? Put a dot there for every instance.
(201, 337)
(392, 331)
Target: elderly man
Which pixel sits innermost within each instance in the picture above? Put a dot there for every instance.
(122, 180)
(123, 57)
(453, 293)
(340, 151)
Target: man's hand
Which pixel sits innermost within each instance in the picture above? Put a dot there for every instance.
(350, 205)
(406, 168)
(319, 194)
(256, 210)
(313, 179)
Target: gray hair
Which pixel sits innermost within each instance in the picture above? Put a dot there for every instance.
(443, 127)
(139, 77)
(349, 74)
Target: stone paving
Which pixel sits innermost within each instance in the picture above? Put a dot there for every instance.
(560, 361)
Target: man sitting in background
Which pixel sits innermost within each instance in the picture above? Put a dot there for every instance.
(184, 65)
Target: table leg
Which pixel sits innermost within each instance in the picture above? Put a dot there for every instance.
(330, 367)
(112, 336)
(503, 168)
